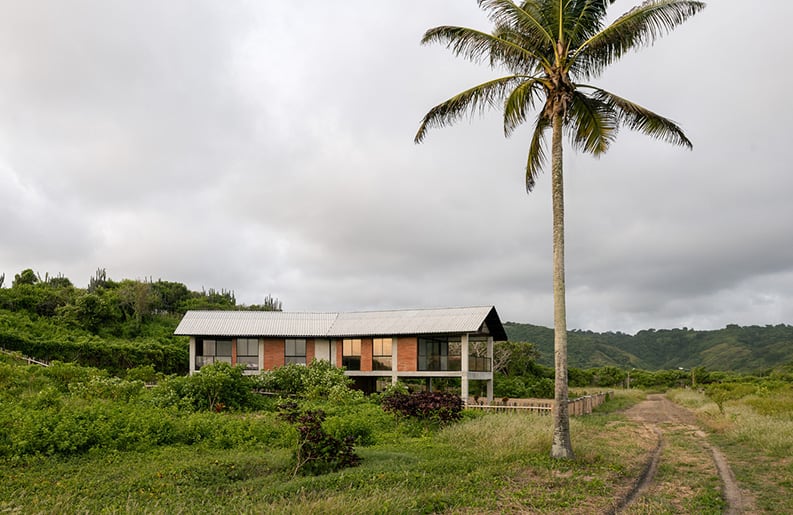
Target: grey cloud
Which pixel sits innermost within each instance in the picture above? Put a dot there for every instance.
(267, 148)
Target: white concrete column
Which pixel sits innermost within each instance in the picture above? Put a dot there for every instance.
(464, 367)
(394, 361)
(261, 355)
(192, 355)
(492, 372)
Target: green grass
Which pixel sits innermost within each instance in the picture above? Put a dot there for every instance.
(756, 436)
(491, 463)
(488, 463)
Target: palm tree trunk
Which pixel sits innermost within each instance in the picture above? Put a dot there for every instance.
(561, 446)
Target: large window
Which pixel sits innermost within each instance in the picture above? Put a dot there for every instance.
(440, 353)
(248, 353)
(209, 350)
(351, 353)
(295, 351)
(477, 354)
(381, 354)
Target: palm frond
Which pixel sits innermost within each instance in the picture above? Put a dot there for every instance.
(536, 158)
(519, 102)
(477, 46)
(474, 100)
(587, 17)
(516, 62)
(592, 122)
(524, 19)
(640, 26)
(640, 119)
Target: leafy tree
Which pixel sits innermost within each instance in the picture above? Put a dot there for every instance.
(270, 304)
(27, 276)
(550, 49)
(169, 295)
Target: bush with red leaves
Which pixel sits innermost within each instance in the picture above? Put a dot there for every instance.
(441, 407)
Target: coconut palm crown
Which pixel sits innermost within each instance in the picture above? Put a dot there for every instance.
(550, 50)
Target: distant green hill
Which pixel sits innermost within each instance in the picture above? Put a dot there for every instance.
(733, 348)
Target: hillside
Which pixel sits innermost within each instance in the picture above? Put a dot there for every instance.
(115, 325)
(733, 348)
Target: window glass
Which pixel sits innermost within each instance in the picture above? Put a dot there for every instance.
(213, 351)
(223, 348)
(381, 354)
(351, 353)
(295, 351)
(440, 353)
(248, 353)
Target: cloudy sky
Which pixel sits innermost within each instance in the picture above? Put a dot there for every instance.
(267, 148)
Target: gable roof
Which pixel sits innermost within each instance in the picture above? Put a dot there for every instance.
(362, 323)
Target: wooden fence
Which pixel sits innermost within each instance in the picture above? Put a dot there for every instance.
(578, 406)
(30, 361)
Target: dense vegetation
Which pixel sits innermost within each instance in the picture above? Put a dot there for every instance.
(113, 325)
(77, 439)
(752, 349)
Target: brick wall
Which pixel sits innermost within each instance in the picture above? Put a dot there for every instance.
(310, 351)
(366, 354)
(407, 354)
(273, 353)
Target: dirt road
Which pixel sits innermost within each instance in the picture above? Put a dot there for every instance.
(662, 417)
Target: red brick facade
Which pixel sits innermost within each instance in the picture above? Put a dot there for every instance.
(407, 354)
(273, 353)
(366, 354)
(310, 351)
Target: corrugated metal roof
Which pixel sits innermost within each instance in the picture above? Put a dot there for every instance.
(364, 323)
(255, 323)
(414, 321)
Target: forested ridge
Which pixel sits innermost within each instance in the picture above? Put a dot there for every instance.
(735, 348)
(114, 325)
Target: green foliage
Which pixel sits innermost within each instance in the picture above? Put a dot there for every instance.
(217, 387)
(437, 407)
(751, 349)
(317, 380)
(26, 276)
(144, 373)
(66, 409)
(518, 387)
(110, 325)
(514, 358)
(317, 452)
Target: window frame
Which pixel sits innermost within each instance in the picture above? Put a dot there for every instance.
(434, 354)
(382, 360)
(349, 358)
(292, 351)
(241, 356)
(204, 358)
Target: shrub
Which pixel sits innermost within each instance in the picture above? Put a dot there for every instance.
(318, 380)
(317, 452)
(358, 428)
(217, 387)
(440, 407)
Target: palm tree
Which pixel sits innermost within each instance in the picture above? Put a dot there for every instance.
(550, 50)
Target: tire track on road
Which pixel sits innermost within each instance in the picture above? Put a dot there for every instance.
(656, 410)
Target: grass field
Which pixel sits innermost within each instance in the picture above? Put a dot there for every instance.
(491, 463)
(487, 463)
(755, 432)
